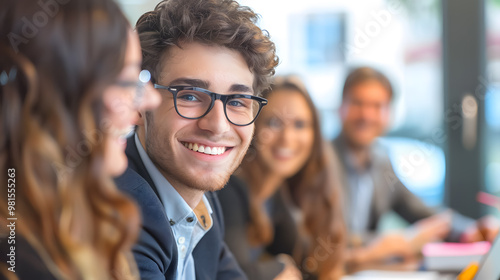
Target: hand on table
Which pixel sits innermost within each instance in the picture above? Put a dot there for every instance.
(485, 229)
(407, 244)
(290, 272)
(385, 246)
(434, 228)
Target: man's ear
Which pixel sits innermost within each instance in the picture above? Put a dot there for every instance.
(342, 111)
(142, 118)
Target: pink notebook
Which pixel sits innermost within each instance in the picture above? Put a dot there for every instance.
(443, 249)
(453, 256)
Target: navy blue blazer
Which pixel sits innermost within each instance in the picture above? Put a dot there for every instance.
(156, 250)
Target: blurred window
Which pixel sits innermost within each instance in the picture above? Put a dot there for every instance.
(492, 99)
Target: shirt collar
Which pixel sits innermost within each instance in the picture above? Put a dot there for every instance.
(175, 206)
(349, 160)
(203, 213)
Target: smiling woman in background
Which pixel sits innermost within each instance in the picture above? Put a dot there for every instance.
(68, 93)
(283, 215)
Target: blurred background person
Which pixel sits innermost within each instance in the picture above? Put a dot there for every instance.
(372, 189)
(68, 95)
(282, 213)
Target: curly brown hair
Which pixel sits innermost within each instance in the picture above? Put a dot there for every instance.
(213, 22)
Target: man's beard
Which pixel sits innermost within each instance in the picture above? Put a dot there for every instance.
(176, 174)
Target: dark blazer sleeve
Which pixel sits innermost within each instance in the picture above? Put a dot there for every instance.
(389, 193)
(213, 259)
(407, 205)
(155, 251)
(412, 208)
(286, 237)
(235, 206)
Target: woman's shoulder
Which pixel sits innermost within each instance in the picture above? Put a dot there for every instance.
(235, 188)
(234, 193)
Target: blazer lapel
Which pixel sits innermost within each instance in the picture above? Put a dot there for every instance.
(136, 164)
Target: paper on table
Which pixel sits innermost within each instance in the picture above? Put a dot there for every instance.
(392, 275)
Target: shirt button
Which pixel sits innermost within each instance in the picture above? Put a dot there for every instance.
(189, 219)
(181, 240)
(183, 251)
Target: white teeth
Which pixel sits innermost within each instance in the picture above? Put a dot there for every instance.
(284, 152)
(205, 149)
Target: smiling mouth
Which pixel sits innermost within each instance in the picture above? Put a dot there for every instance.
(214, 151)
(283, 153)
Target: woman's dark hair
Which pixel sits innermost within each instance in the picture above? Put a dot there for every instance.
(59, 57)
(314, 189)
(212, 22)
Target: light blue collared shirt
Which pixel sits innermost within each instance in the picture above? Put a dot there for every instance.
(361, 194)
(186, 225)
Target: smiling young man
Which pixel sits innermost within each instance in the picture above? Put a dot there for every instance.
(210, 62)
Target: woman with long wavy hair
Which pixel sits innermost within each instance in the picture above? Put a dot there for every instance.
(285, 200)
(70, 88)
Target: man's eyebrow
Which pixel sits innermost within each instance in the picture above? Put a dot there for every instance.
(237, 88)
(190, 82)
(240, 88)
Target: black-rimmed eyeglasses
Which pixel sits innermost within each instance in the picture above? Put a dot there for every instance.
(194, 103)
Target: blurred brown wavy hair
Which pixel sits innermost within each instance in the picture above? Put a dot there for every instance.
(315, 189)
(52, 118)
(213, 22)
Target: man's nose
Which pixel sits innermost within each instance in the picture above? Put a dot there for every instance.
(215, 121)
